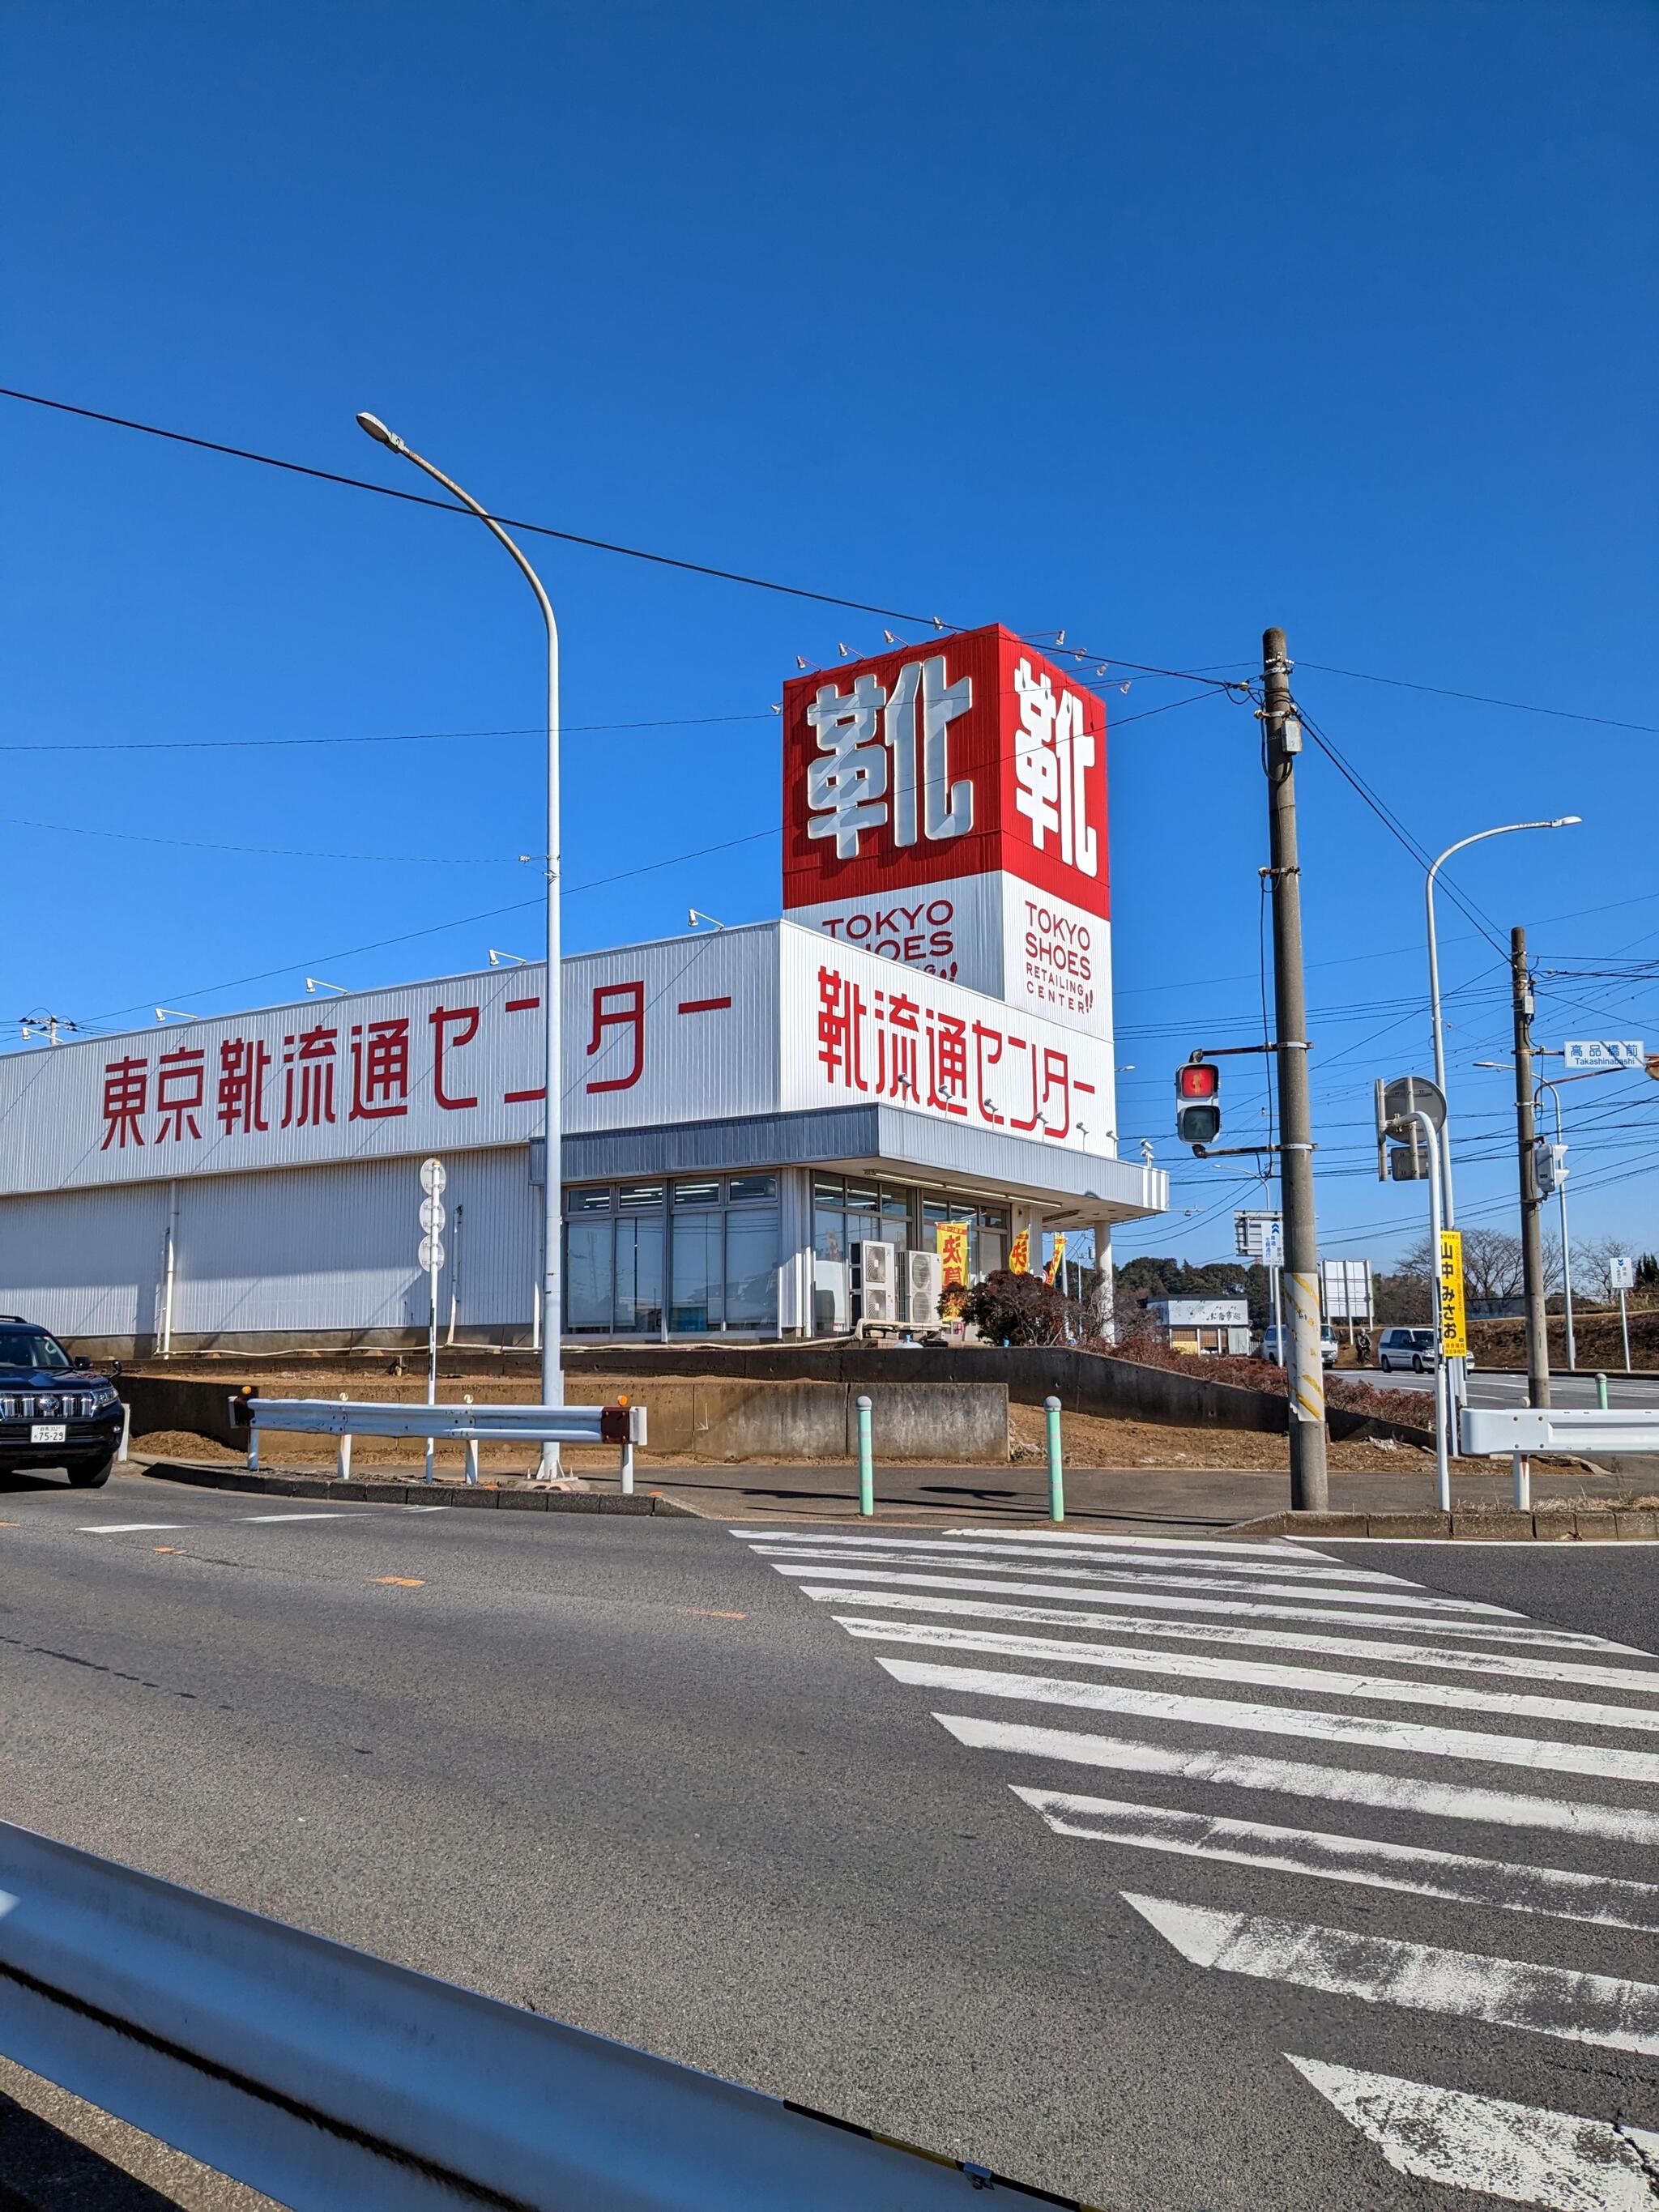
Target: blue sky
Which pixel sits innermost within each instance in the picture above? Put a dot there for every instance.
(1157, 324)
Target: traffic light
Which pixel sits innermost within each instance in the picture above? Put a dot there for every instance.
(1198, 1102)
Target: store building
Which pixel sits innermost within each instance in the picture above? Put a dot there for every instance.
(745, 1110)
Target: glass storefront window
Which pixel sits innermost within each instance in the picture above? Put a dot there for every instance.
(699, 1300)
(638, 1276)
(698, 1193)
(752, 1186)
(639, 1195)
(588, 1278)
(751, 1269)
(587, 1202)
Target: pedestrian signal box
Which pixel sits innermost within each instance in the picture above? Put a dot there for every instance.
(1198, 1102)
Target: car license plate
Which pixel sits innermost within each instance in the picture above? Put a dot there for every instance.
(48, 1432)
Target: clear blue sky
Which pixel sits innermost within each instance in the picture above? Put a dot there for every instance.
(1158, 323)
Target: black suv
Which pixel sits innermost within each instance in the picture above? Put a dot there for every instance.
(54, 1411)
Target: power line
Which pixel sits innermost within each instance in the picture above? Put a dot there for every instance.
(1481, 699)
(436, 929)
(934, 621)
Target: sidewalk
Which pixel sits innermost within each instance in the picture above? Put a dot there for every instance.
(1141, 1500)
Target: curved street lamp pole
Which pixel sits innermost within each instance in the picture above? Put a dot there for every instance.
(1448, 1200)
(552, 1384)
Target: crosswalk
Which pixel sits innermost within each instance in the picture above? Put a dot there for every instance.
(1333, 1728)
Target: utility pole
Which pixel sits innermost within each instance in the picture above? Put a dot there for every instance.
(1532, 1236)
(1305, 1373)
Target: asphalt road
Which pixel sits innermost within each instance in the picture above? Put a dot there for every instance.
(1491, 1389)
(639, 1774)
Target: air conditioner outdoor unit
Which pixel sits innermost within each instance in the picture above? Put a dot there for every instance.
(925, 1273)
(878, 1286)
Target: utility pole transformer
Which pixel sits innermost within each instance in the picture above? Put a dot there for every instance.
(1305, 1373)
(1532, 1234)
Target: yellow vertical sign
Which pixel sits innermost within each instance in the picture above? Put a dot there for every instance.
(1019, 1253)
(1454, 1327)
(952, 1239)
(1056, 1260)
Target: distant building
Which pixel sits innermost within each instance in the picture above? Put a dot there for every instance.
(1202, 1324)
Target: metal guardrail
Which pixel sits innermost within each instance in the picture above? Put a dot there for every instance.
(622, 1424)
(1517, 1432)
(1490, 1429)
(326, 2077)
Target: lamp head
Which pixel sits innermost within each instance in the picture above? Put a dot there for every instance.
(1565, 821)
(377, 431)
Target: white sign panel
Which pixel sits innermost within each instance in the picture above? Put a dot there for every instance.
(856, 1031)
(1586, 1054)
(1204, 1313)
(1621, 1275)
(715, 1027)
(992, 933)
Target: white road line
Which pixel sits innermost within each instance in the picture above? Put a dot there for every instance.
(1060, 1537)
(1605, 1761)
(1526, 1667)
(332, 1515)
(881, 1548)
(1563, 1895)
(1341, 1785)
(1260, 1675)
(1555, 1639)
(1601, 2009)
(130, 1527)
(1556, 2161)
(1061, 1582)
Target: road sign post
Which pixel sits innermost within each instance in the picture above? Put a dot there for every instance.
(1411, 1112)
(1621, 1277)
(431, 1258)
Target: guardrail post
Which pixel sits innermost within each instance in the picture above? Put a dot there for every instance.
(126, 1432)
(867, 1471)
(1523, 1482)
(1600, 1393)
(253, 1443)
(342, 1457)
(1057, 1469)
(472, 1461)
(628, 1469)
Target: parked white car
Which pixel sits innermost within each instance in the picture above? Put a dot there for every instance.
(1273, 1352)
(1412, 1348)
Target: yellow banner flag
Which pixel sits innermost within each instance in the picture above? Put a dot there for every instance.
(951, 1239)
(1453, 1325)
(1056, 1258)
(1019, 1253)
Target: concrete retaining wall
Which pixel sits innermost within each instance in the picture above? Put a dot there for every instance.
(719, 1417)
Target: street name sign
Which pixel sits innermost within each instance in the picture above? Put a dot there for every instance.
(1587, 1056)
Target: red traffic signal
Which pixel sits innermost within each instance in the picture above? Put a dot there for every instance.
(1198, 1102)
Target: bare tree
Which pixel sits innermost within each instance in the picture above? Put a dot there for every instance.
(1492, 1269)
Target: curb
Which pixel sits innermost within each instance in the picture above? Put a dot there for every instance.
(641, 1502)
(1488, 1524)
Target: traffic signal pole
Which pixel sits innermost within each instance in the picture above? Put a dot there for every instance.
(1305, 1373)
(1532, 1203)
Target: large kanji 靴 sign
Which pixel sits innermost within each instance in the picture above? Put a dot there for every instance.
(944, 807)
(743, 1022)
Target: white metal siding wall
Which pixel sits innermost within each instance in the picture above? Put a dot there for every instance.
(85, 1263)
(334, 1248)
(308, 1249)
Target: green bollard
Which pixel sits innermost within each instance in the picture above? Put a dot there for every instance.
(1056, 1472)
(1602, 1392)
(866, 1473)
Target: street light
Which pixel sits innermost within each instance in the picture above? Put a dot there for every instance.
(508, 959)
(552, 1376)
(315, 983)
(1503, 829)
